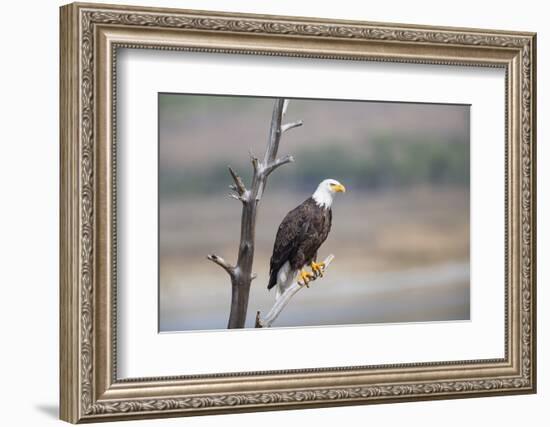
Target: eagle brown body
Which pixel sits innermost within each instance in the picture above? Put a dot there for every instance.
(301, 233)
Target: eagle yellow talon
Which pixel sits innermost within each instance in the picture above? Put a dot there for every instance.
(317, 268)
(305, 277)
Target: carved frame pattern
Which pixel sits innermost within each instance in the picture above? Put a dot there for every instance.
(80, 401)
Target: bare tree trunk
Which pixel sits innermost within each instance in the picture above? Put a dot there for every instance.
(241, 274)
(285, 298)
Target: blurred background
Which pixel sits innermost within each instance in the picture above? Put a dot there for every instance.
(400, 233)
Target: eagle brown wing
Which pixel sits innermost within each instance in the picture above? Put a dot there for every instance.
(290, 234)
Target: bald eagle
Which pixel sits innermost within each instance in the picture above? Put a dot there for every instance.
(302, 232)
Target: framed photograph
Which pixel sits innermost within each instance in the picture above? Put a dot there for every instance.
(267, 212)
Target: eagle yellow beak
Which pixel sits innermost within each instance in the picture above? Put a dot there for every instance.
(339, 188)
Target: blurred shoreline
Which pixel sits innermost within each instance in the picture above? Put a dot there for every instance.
(389, 267)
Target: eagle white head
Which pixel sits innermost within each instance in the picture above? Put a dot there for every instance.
(325, 192)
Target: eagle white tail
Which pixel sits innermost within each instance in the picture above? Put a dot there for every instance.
(285, 277)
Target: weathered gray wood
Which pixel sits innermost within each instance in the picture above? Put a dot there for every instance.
(241, 274)
(285, 298)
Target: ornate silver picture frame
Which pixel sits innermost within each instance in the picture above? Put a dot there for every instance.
(91, 36)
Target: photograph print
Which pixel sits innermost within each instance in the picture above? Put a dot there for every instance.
(284, 212)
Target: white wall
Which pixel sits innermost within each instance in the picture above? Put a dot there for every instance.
(29, 170)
